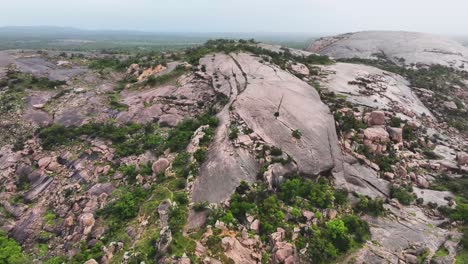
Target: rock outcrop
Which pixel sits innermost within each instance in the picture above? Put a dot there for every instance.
(372, 87)
(398, 46)
(257, 91)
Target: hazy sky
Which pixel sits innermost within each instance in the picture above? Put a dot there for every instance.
(309, 16)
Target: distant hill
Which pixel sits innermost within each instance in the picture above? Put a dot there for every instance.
(43, 37)
(398, 46)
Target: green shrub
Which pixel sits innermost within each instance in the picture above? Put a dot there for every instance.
(124, 208)
(201, 206)
(358, 228)
(395, 121)
(370, 206)
(341, 197)
(347, 122)
(181, 198)
(130, 172)
(49, 218)
(320, 249)
(403, 194)
(200, 155)
(233, 133)
(181, 165)
(297, 134)
(165, 78)
(320, 194)
(276, 151)
(270, 214)
(239, 206)
(10, 251)
(88, 253)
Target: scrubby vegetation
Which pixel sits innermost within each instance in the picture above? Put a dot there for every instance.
(12, 99)
(124, 208)
(403, 194)
(228, 46)
(10, 251)
(458, 186)
(166, 78)
(325, 241)
(127, 139)
(348, 122)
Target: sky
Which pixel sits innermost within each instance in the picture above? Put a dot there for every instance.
(295, 16)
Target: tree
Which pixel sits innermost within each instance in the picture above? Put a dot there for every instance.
(10, 251)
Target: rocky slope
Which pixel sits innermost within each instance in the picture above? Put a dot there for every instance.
(257, 91)
(398, 46)
(250, 154)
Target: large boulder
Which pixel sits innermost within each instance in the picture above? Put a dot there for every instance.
(257, 90)
(376, 118)
(395, 133)
(462, 158)
(377, 134)
(160, 166)
(87, 223)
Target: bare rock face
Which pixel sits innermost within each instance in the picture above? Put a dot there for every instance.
(167, 104)
(256, 92)
(372, 87)
(410, 47)
(413, 230)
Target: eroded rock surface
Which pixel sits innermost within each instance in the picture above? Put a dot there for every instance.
(372, 87)
(258, 90)
(412, 47)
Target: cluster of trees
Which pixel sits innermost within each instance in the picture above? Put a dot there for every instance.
(229, 46)
(325, 241)
(10, 251)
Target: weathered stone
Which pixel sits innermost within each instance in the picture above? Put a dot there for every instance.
(300, 69)
(160, 166)
(169, 120)
(308, 215)
(396, 134)
(283, 251)
(44, 162)
(450, 105)
(389, 176)
(255, 103)
(462, 158)
(255, 226)
(101, 188)
(87, 223)
(376, 134)
(376, 118)
(422, 182)
(134, 70)
(236, 251)
(398, 46)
